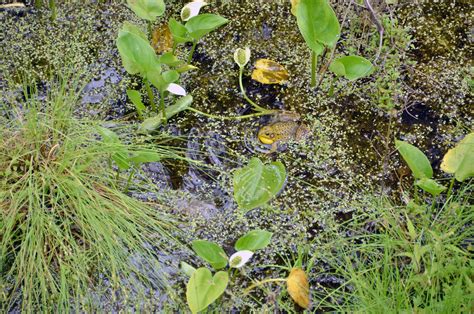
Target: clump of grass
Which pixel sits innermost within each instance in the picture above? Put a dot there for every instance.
(63, 223)
(419, 260)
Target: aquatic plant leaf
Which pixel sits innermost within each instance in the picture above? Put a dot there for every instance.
(460, 159)
(108, 136)
(137, 54)
(139, 157)
(179, 32)
(318, 24)
(298, 287)
(211, 253)
(269, 72)
(136, 99)
(294, 5)
(203, 24)
(120, 155)
(187, 269)
(162, 39)
(147, 9)
(352, 67)
(240, 258)
(253, 240)
(417, 161)
(170, 76)
(131, 28)
(151, 124)
(169, 58)
(256, 183)
(430, 186)
(203, 289)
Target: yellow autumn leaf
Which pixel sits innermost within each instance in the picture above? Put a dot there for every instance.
(294, 4)
(269, 72)
(460, 159)
(298, 287)
(162, 39)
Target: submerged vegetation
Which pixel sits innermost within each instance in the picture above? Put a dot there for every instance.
(252, 190)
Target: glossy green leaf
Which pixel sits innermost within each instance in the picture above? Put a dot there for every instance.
(153, 123)
(170, 76)
(169, 58)
(147, 9)
(253, 240)
(187, 269)
(137, 54)
(121, 159)
(211, 253)
(352, 67)
(202, 24)
(131, 28)
(460, 159)
(256, 183)
(416, 160)
(156, 78)
(318, 24)
(140, 157)
(136, 99)
(108, 136)
(430, 186)
(203, 289)
(179, 32)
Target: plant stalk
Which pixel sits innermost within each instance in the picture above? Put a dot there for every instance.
(151, 97)
(162, 107)
(52, 6)
(242, 90)
(129, 180)
(247, 116)
(190, 56)
(314, 63)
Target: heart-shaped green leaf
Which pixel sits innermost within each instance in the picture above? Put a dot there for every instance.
(256, 183)
(430, 186)
(253, 240)
(211, 253)
(317, 23)
(202, 24)
(351, 67)
(139, 157)
(416, 160)
(153, 123)
(136, 99)
(137, 54)
(179, 32)
(460, 159)
(147, 9)
(203, 289)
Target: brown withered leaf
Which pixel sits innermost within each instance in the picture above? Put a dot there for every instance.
(298, 287)
(162, 39)
(269, 72)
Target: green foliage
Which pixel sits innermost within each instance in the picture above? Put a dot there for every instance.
(151, 124)
(253, 240)
(460, 159)
(351, 67)
(203, 289)
(211, 253)
(256, 183)
(138, 57)
(201, 25)
(62, 221)
(136, 99)
(430, 186)
(147, 9)
(416, 160)
(318, 24)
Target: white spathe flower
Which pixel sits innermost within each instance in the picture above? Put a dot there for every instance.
(240, 258)
(191, 9)
(176, 89)
(242, 56)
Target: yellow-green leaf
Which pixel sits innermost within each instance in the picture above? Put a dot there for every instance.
(269, 72)
(298, 287)
(460, 159)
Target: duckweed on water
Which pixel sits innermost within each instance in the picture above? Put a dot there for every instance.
(348, 195)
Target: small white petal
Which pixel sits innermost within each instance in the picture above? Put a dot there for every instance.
(176, 89)
(240, 258)
(191, 9)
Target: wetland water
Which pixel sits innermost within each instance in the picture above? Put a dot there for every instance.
(421, 92)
